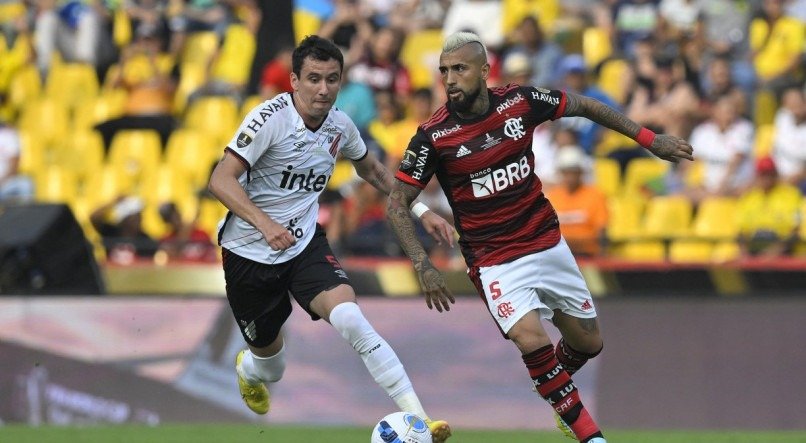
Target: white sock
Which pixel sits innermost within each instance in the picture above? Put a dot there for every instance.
(379, 358)
(263, 369)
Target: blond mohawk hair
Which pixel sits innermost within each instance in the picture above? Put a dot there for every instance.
(459, 39)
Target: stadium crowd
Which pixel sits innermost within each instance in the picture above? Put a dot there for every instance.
(121, 108)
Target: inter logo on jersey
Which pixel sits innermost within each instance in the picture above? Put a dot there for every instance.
(243, 140)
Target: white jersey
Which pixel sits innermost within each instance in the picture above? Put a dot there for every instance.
(288, 166)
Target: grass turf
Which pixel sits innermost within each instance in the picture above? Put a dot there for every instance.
(287, 434)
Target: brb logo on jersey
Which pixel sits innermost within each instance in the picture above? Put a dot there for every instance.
(488, 181)
(303, 182)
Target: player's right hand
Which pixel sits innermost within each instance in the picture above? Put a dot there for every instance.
(671, 148)
(437, 294)
(278, 237)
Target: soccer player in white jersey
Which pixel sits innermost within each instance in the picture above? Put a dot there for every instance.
(479, 147)
(270, 178)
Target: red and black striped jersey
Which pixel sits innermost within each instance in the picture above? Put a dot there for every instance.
(486, 167)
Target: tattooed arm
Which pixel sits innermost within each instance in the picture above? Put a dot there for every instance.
(375, 173)
(667, 147)
(431, 280)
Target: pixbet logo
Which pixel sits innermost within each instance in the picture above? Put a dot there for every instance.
(487, 182)
(509, 103)
(443, 132)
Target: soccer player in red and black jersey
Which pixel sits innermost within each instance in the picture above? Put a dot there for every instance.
(479, 147)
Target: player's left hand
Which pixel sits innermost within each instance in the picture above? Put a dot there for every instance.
(437, 227)
(437, 294)
(671, 148)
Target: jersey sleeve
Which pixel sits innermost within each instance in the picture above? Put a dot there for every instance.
(354, 148)
(253, 138)
(419, 161)
(547, 104)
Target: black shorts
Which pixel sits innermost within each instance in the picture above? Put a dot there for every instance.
(259, 293)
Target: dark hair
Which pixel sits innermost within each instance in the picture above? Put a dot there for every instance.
(318, 48)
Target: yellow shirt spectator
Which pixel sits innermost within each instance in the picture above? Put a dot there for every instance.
(776, 48)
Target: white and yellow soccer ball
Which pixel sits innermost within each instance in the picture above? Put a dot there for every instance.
(401, 427)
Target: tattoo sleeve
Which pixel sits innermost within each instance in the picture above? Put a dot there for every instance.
(399, 218)
(375, 173)
(594, 110)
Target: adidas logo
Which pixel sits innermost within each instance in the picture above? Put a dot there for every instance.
(462, 151)
(586, 305)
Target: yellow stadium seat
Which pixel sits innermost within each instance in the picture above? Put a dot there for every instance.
(625, 215)
(163, 185)
(72, 83)
(26, 85)
(596, 45)
(216, 116)
(135, 155)
(32, 153)
(305, 23)
(607, 176)
(343, 173)
(420, 55)
(613, 79)
(83, 154)
(11, 61)
(234, 62)
(121, 28)
(725, 251)
(191, 77)
(211, 212)
(514, 11)
(56, 184)
(690, 251)
(763, 142)
(199, 48)
(104, 107)
(192, 154)
(47, 118)
(716, 219)
(694, 174)
(764, 110)
(612, 141)
(642, 251)
(667, 217)
(105, 185)
(250, 103)
(640, 172)
(152, 222)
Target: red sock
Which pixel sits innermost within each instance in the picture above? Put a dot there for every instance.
(571, 359)
(555, 385)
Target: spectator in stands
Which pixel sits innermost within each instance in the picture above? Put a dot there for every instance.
(365, 230)
(357, 101)
(184, 241)
(581, 208)
(719, 82)
(120, 224)
(725, 24)
(77, 30)
(150, 90)
(768, 214)
(544, 55)
(634, 20)
(380, 67)
(393, 129)
(575, 79)
(665, 101)
(480, 16)
(777, 43)
(350, 29)
(276, 75)
(517, 68)
(14, 186)
(789, 142)
(724, 148)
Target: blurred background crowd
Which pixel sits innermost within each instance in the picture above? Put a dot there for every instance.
(120, 108)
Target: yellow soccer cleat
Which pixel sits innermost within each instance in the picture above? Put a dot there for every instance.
(440, 430)
(256, 396)
(564, 428)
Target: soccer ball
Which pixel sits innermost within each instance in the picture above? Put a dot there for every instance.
(401, 427)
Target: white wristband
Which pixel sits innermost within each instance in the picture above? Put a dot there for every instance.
(419, 209)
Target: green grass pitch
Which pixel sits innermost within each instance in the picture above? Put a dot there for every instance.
(287, 434)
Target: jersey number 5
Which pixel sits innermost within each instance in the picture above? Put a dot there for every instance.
(495, 291)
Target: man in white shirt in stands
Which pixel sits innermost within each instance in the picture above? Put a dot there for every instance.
(13, 185)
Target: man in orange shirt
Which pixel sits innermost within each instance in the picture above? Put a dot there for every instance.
(581, 207)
